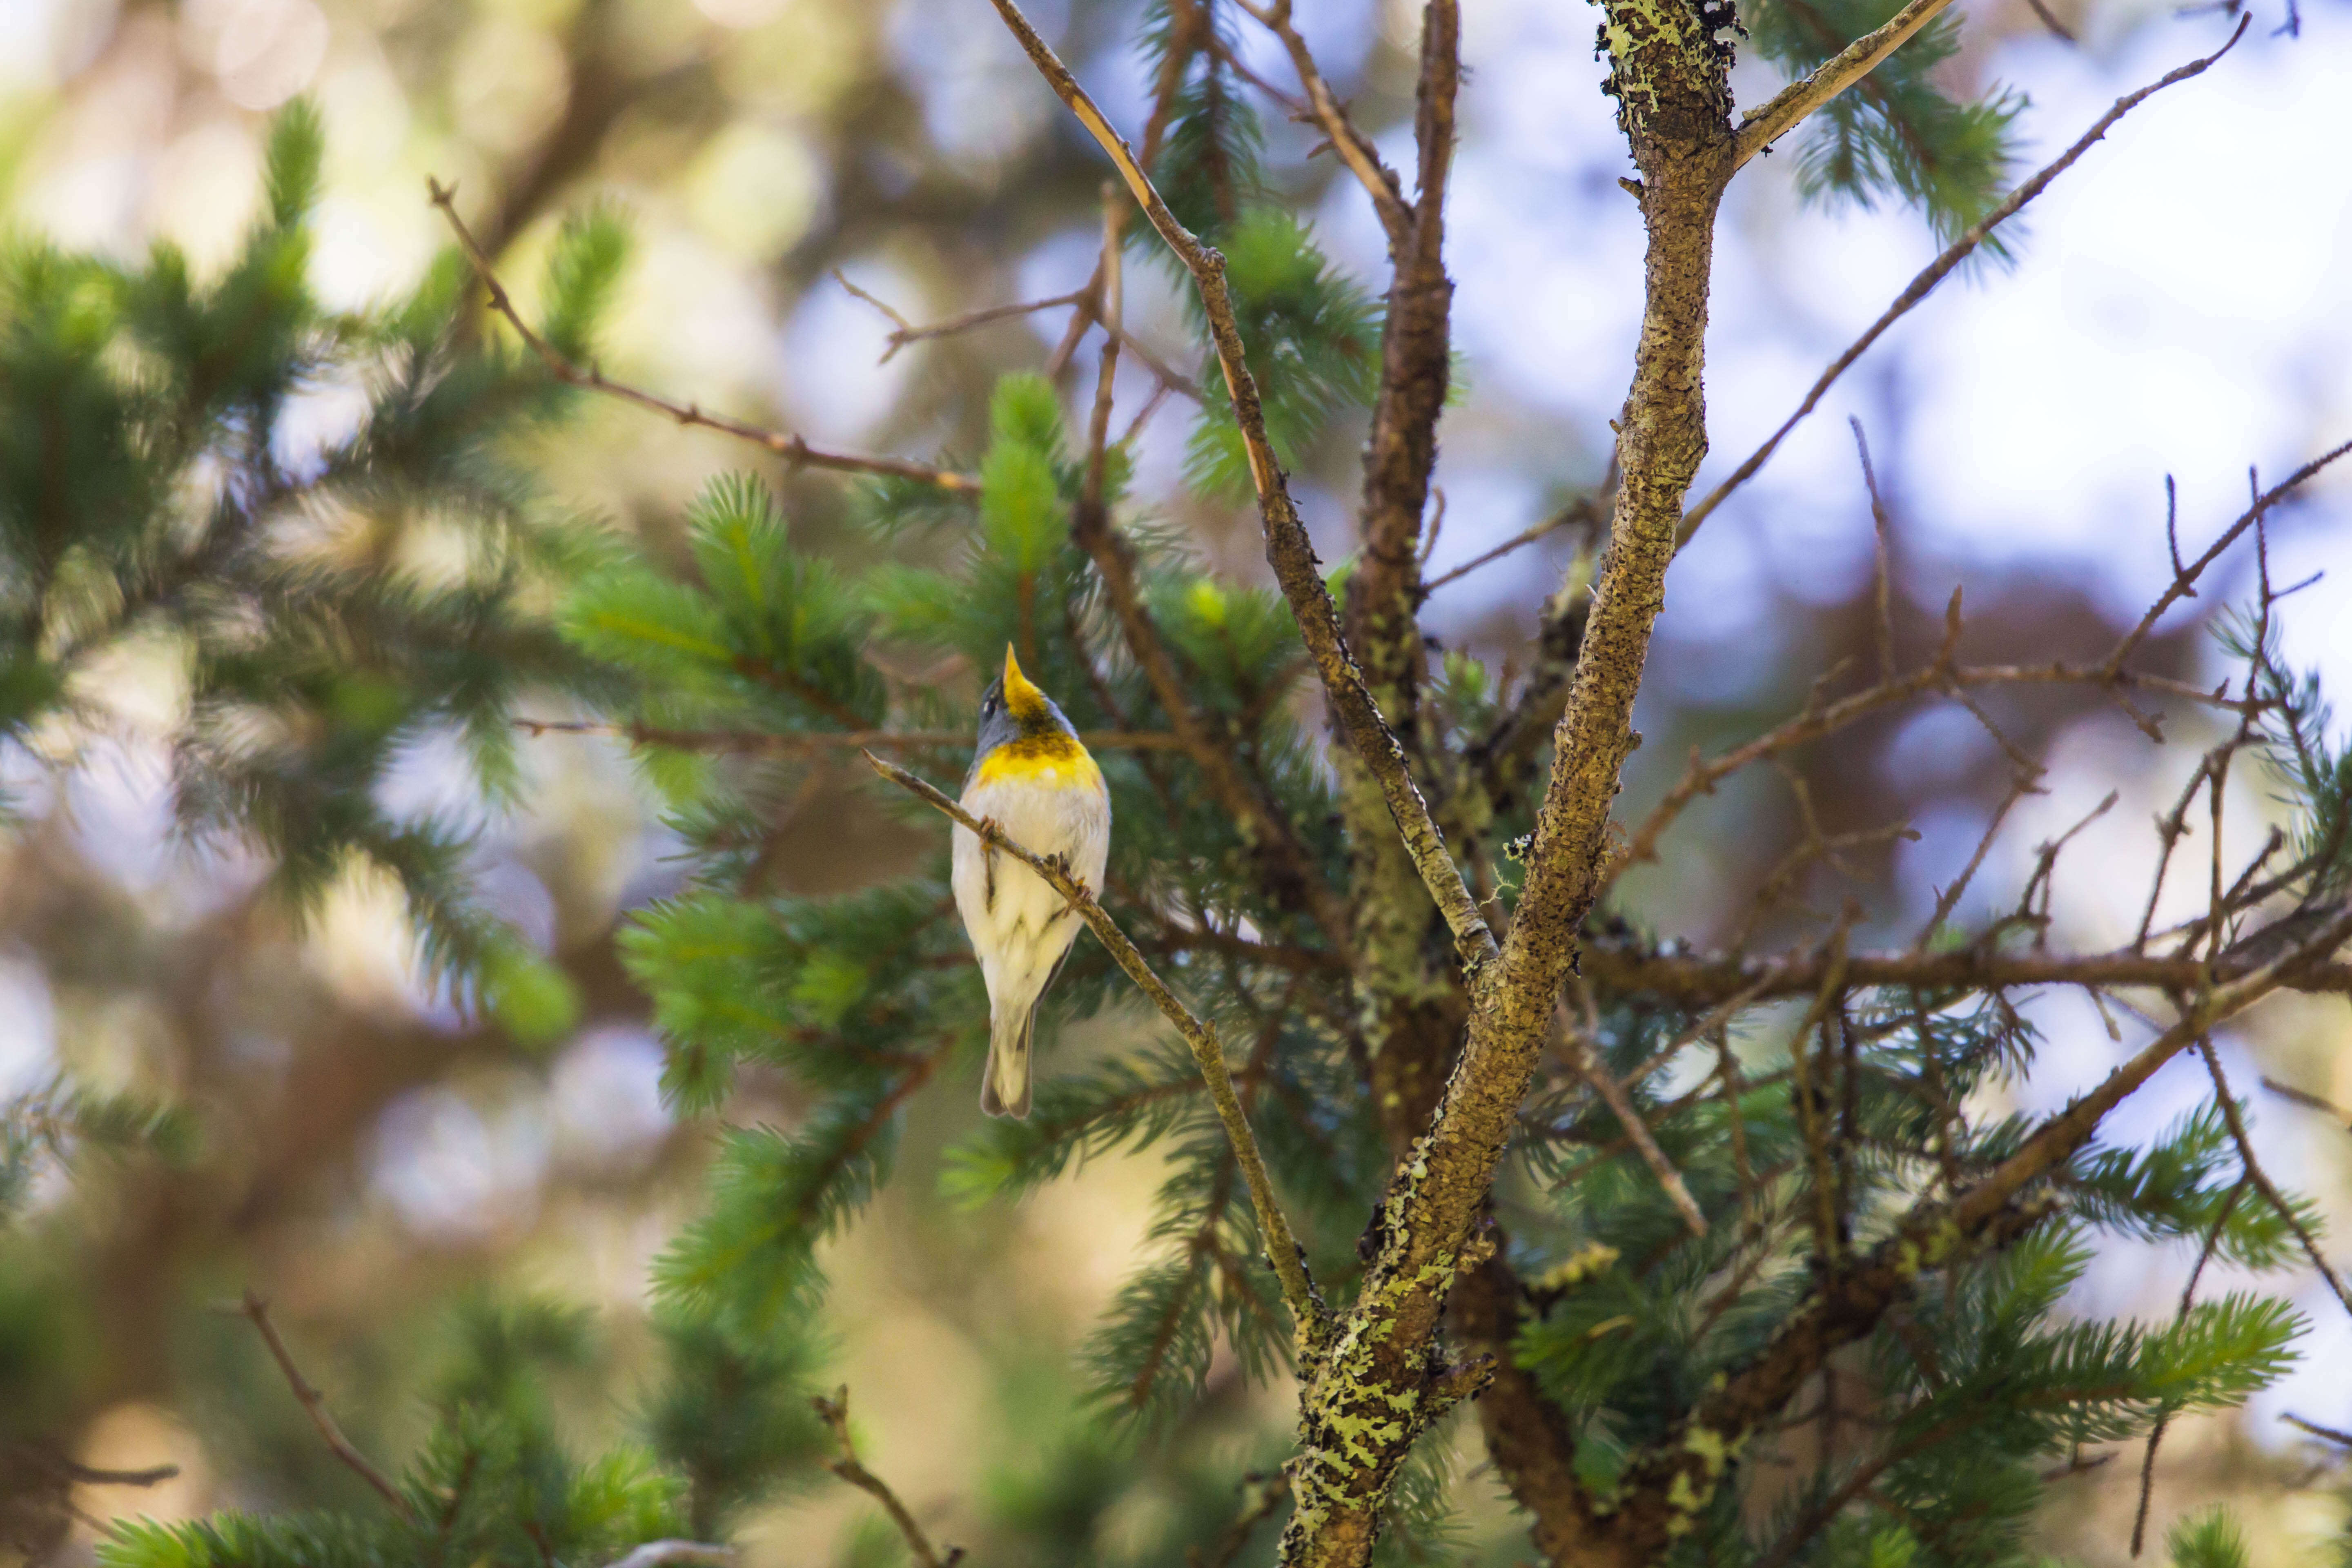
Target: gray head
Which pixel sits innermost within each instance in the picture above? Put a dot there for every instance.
(1013, 711)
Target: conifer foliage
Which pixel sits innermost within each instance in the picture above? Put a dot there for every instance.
(1749, 1201)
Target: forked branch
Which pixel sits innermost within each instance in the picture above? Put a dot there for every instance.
(1287, 548)
(1841, 70)
(791, 448)
(835, 1414)
(1281, 1248)
(1941, 267)
(256, 1310)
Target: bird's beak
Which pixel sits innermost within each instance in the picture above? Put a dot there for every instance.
(1017, 689)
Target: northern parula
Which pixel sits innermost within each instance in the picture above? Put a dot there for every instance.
(1032, 777)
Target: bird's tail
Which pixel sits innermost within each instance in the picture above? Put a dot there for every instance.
(1005, 1091)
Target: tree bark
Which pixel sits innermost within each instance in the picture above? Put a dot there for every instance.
(1385, 1378)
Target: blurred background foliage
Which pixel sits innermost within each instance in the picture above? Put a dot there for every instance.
(389, 1058)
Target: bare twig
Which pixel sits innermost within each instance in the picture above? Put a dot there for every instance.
(1113, 315)
(1762, 127)
(2309, 1101)
(835, 1414)
(1550, 525)
(1938, 675)
(314, 1404)
(793, 450)
(2261, 1179)
(1578, 1048)
(2184, 582)
(2164, 1416)
(1353, 147)
(1288, 550)
(2050, 20)
(2316, 1430)
(1261, 1496)
(661, 1553)
(1283, 1251)
(905, 331)
(80, 1474)
(1941, 267)
(796, 743)
(1946, 900)
(1883, 563)
(1701, 980)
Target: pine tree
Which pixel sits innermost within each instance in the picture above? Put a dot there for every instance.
(1649, 1217)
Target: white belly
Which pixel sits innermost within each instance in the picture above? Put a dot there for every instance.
(1020, 927)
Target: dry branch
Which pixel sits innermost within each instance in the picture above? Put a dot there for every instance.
(1941, 267)
(835, 1414)
(801, 743)
(1353, 147)
(1694, 980)
(793, 450)
(1789, 107)
(314, 1404)
(662, 1553)
(1282, 1250)
(1288, 547)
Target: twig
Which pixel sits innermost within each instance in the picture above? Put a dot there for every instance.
(1261, 1495)
(794, 744)
(661, 1553)
(1282, 1251)
(2254, 1172)
(1698, 980)
(905, 331)
(1113, 315)
(835, 1413)
(2183, 583)
(1946, 900)
(2316, 1430)
(1882, 556)
(314, 1404)
(1602, 1082)
(1938, 675)
(74, 1470)
(2164, 1416)
(1354, 148)
(2309, 1101)
(2050, 20)
(1552, 525)
(1288, 547)
(1762, 127)
(793, 448)
(1937, 270)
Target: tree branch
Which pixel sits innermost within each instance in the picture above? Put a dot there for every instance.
(1282, 1250)
(1941, 267)
(1288, 547)
(835, 1414)
(796, 451)
(1696, 981)
(1938, 675)
(314, 1404)
(1352, 146)
(1762, 127)
(663, 1554)
(799, 743)
(1671, 1484)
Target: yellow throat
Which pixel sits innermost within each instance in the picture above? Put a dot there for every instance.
(1043, 753)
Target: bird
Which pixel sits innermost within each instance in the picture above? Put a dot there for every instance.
(1031, 778)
